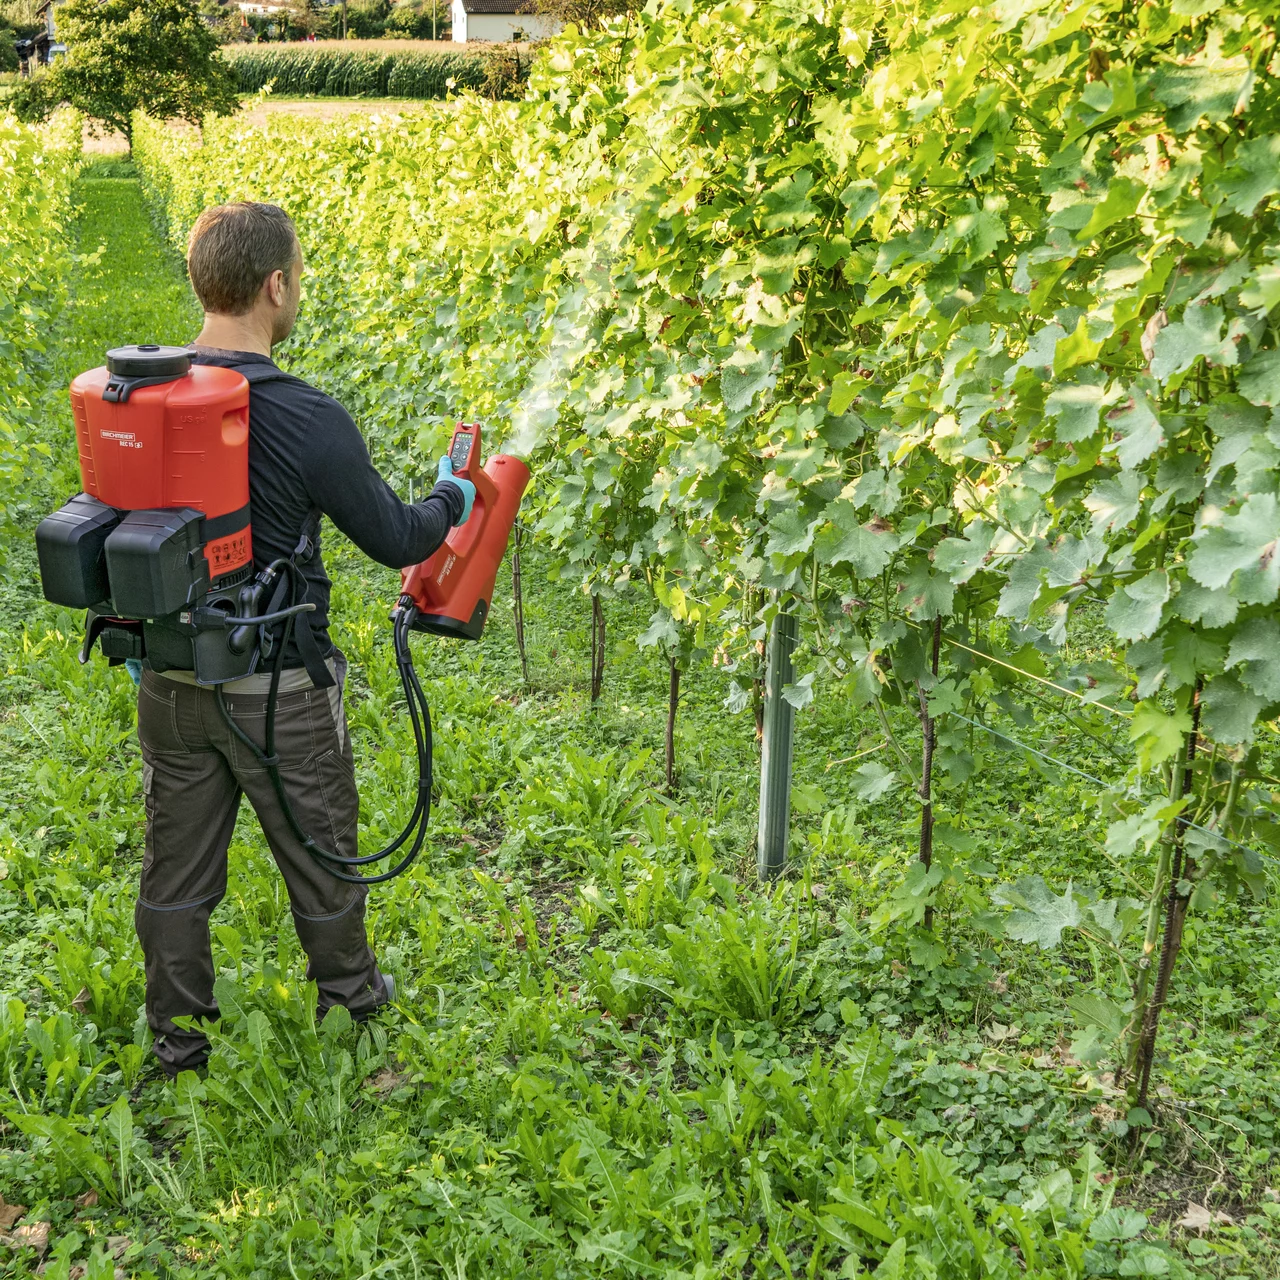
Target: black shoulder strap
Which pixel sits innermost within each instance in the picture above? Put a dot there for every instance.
(255, 373)
(308, 649)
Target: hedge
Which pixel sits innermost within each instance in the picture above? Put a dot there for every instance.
(339, 73)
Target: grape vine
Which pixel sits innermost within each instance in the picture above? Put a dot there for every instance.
(945, 325)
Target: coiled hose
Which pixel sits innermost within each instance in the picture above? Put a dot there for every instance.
(419, 716)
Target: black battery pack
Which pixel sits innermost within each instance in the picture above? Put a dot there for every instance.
(70, 547)
(156, 563)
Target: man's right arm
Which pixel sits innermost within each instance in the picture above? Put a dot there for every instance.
(345, 485)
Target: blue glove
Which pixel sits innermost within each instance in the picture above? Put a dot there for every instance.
(445, 472)
(134, 668)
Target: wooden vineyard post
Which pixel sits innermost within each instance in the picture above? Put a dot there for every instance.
(517, 600)
(776, 749)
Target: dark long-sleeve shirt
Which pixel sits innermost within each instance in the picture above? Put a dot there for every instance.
(307, 458)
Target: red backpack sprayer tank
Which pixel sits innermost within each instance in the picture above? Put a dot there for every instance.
(158, 550)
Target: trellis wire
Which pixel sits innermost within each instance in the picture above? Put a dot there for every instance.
(1071, 693)
(1098, 782)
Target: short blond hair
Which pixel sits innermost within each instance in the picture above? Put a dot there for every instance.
(233, 248)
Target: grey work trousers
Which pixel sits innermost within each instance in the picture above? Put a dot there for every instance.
(194, 773)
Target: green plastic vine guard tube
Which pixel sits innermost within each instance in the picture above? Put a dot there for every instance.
(777, 748)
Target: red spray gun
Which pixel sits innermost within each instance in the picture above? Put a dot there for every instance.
(452, 589)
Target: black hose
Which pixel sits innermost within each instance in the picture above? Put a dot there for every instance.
(266, 619)
(419, 717)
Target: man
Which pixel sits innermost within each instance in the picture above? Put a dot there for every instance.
(306, 459)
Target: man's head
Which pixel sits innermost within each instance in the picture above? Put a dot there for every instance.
(245, 261)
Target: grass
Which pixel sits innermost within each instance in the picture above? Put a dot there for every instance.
(612, 1053)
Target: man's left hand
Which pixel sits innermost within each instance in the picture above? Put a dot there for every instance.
(444, 471)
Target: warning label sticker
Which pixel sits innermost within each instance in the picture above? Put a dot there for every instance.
(227, 553)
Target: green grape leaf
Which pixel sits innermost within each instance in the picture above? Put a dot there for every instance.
(767, 336)
(1139, 832)
(1262, 291)
(662, 629)
(1158, 736)
(1238, 428)
(926, 594)
(1115, 502)
(1241, 551)
(1179, 478)
(737, 699)
(743, 375)
(1180, 344)
(1210, 608)
(877, 489)
(1040, 352)
(871, 781)
(1134, 611)
(1256, 647)
(860, 199)
(1039, 915)
(777, 263)
(1073, 559)
(844, 390)
(978, 232)
(1022, 588)
(1121, 202)
(1229, 711)
(787, 204)
(790, 533)
(1139, 430)
(1253, 175)
(961, 558)
(1199, 91)
(1259, 380)
(844, 541)
(1075, 406)
(945, 696)
(1075, 349)
(800, 694)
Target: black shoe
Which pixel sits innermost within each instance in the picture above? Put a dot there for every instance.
(389, 986)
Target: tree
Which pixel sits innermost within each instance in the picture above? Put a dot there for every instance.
(123, 56)
(222, 18)
(21, 15)
(585, 13)
(367, 19)
(17, 22)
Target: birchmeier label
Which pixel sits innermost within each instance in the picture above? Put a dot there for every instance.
(449, 561)
(125, 439)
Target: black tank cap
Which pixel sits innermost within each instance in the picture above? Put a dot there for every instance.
(149, 361)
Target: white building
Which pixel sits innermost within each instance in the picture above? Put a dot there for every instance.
(500, 20)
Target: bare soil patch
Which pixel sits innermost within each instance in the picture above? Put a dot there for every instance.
(109, 143)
